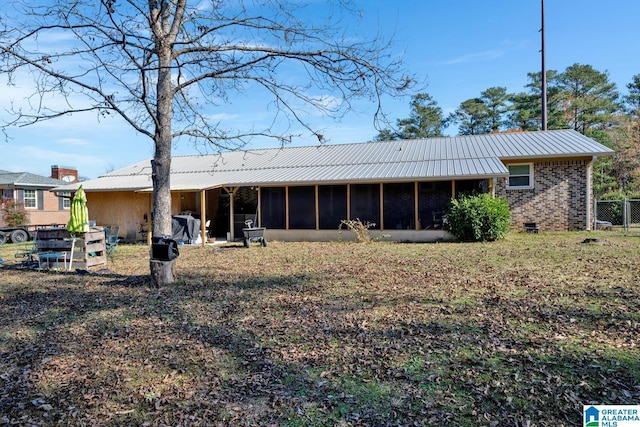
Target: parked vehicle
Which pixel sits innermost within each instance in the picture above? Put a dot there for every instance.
(20, 233)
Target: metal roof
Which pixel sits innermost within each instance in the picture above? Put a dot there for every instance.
(460, 157)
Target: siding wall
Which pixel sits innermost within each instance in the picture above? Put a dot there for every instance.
(125, 209)
(558, 201)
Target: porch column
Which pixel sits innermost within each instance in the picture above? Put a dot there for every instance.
(203, 217)
(348, 201)
(416, 207)
(232, 217)
(317, 208)
(286, 207)
(232, 192)
(150, 219)
(259, 217)
(381, 206)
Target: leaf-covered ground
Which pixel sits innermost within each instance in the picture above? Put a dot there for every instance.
(521, 332)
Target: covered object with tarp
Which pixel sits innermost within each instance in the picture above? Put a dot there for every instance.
(185, 228)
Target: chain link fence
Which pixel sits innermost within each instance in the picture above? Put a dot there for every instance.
(624, 213)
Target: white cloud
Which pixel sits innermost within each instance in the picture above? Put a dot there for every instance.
(327, 102)
(487, 55)
(39, 160)
(74, 141)
(222, 117)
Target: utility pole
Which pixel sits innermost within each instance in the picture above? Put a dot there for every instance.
(544, 71)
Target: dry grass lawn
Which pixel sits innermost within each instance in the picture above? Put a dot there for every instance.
(520, 332)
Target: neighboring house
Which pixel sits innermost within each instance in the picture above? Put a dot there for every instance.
(404, 187)
(33, 191)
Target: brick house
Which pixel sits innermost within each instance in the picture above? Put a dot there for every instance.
(33, 191)
(558, 199)
(404, 187)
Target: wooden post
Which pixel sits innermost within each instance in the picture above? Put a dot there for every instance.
(232, 226)
(259, 218)
(203, 217)
(286, 207)
(416, 207)
(317, 208)
(231, 192)
(348, 201)
(150, 220)
(381, 206)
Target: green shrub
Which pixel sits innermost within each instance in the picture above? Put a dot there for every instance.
(478, 218)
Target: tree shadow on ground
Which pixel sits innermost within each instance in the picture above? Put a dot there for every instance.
(102, 350)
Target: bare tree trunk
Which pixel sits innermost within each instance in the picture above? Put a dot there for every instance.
(162, 272)
(211, 53)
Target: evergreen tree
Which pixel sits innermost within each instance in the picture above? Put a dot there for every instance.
(632, 100)
(526, 111)
(425, 120)
(386, 135)
(472, 116)
(589, 98)
(496, 101)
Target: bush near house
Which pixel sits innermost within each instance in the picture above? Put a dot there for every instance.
(479, 218)
(14, 213)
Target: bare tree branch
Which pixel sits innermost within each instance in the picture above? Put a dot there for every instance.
(165, 66)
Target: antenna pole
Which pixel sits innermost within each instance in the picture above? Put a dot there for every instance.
(544, 71)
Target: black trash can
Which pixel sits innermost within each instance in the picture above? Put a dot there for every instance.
(164, 249)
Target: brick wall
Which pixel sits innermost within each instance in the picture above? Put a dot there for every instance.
(48, 212)
(558, 201)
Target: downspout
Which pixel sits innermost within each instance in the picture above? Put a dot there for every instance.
(589, 195)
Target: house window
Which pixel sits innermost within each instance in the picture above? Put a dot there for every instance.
(66, 200)
(30, 199)
(520, 176)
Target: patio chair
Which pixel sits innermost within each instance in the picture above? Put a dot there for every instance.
(111, 238)
(27, 251)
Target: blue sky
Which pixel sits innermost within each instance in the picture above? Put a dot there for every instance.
(458, 47)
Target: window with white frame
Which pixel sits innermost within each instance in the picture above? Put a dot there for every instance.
(66, 200)
(520, 176)
(30, 199)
